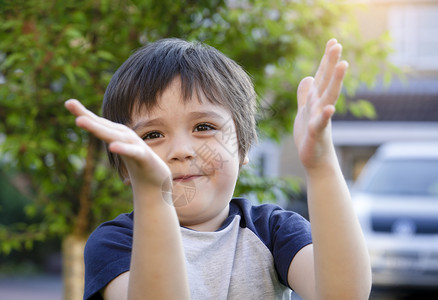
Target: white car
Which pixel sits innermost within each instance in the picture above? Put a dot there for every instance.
(396, 199)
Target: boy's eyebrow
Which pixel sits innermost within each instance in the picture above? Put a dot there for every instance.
(206, 114)
(147, 123)
(193, 115)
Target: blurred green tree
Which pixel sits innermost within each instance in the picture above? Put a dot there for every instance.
(52, 50)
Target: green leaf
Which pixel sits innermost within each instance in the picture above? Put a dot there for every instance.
(106, 55)
(363, 108)
(69, 73)
(12, 59)
(73, 33)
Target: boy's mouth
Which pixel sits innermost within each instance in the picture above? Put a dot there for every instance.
(185, 178)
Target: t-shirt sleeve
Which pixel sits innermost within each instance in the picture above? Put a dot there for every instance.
(290, 232)
(107, 254)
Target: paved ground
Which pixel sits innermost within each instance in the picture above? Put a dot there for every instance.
(49, 287)
(44, 287)
(401, 294)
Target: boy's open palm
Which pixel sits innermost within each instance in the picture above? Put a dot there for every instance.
(145, 168)
(316, 104)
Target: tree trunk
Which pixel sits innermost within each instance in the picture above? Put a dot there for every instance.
(74, 244)
(73, 268)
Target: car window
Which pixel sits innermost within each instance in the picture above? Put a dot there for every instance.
(403, 177)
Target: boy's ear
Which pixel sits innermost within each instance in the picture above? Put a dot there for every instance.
(245, 160)
(127, 181)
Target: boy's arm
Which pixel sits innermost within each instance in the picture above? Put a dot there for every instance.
(157, 264)
(337, 265)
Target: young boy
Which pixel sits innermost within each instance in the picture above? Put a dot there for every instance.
(179, 122)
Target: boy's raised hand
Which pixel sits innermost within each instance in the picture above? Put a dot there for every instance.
(316, 104)
(144, 167)
(157, 250)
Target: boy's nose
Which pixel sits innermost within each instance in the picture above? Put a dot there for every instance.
(181, 149)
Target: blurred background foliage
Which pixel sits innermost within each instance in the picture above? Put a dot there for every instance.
(51, 51)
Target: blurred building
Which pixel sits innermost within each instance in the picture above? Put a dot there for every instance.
(407, 109)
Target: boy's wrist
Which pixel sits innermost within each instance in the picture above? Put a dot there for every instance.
(325, 166)
(152, 195)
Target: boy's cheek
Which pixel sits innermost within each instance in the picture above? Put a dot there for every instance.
(229, 135)
(217, 165)
(227, 141)
(216, 156)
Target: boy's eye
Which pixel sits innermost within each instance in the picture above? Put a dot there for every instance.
(152, 135)
(204, 127)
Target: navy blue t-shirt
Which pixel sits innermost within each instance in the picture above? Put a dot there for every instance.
(250, 253)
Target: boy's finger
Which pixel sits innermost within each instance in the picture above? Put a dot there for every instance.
(322, 65)
(128, 150)
(105, 132)
(303, 90)
(78, 109)
(334, 89)
(324, 117)
(332, 59)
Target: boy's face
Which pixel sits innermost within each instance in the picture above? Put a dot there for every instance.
(198, 141)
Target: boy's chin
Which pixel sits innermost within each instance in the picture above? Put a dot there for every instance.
(183, 193)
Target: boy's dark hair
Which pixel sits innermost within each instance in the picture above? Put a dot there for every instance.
(144, 76)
